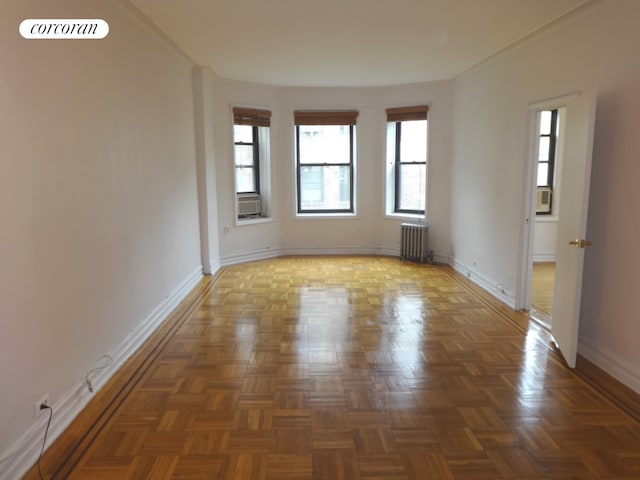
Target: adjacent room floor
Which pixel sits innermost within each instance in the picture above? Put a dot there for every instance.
(542, 283)
(347, 368)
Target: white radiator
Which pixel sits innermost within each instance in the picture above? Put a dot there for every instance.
(413, 243)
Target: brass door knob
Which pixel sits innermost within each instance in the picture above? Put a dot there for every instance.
(578, 242)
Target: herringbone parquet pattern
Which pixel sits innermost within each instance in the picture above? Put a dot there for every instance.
(356, 368)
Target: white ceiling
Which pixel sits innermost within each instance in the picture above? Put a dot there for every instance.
(347, 42)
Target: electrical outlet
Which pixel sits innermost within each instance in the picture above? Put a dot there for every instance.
(43, 400)
(227, 229)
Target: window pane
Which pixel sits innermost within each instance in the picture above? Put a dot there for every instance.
(325, 188)
(245, 180)
(543, 152)
(244, 155)
(413, 141)
(243, 133)
(412, 187)
(545, 122)
(543, 171)
(324, 144)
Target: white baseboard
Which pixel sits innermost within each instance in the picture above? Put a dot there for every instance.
(234, 259)
(69, 405)
(610, 363)
(215, 266)
(306, 251)
(337, 251)
(252, 256)
(438, 258)
(494, 288)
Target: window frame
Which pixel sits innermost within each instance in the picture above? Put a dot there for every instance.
(260, 121)
(255, 144)
(397, 172)
(551, 158)
(395, 117)
(322, 119)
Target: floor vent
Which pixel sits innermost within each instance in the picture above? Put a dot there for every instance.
(414, 243)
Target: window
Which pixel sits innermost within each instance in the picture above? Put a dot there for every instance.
(251, 160)
(325, 161)
(246, 148)
(407, 159)
(546, 160)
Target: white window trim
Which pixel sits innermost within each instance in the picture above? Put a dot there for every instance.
(241, 222)
(328, 215)
(406, 216)
(389, 179)
(264, 155)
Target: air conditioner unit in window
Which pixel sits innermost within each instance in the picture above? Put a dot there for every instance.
(249, 205)
(543, 203)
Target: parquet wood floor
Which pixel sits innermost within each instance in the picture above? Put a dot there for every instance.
(348, 368)
(542, 283)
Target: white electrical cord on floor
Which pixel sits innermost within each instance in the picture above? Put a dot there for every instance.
(87, 380)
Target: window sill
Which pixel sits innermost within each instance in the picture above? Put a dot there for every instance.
(406, 216)
(325, 216)
(240, 222)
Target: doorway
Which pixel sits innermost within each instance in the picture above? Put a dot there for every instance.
(547, 176)
(570, 196)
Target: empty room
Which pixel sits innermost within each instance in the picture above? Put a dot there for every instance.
(352, 239)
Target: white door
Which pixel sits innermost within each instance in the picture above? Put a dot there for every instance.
(572, 223)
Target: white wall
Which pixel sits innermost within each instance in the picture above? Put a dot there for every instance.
(369, 231)
(544, 240)
(98, 201)
(206, 166)
(596, 48)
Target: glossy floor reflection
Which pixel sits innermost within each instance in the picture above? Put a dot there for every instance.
(359, 368)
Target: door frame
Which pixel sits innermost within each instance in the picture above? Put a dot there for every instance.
(525, 264)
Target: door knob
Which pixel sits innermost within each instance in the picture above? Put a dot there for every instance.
(578, 242)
